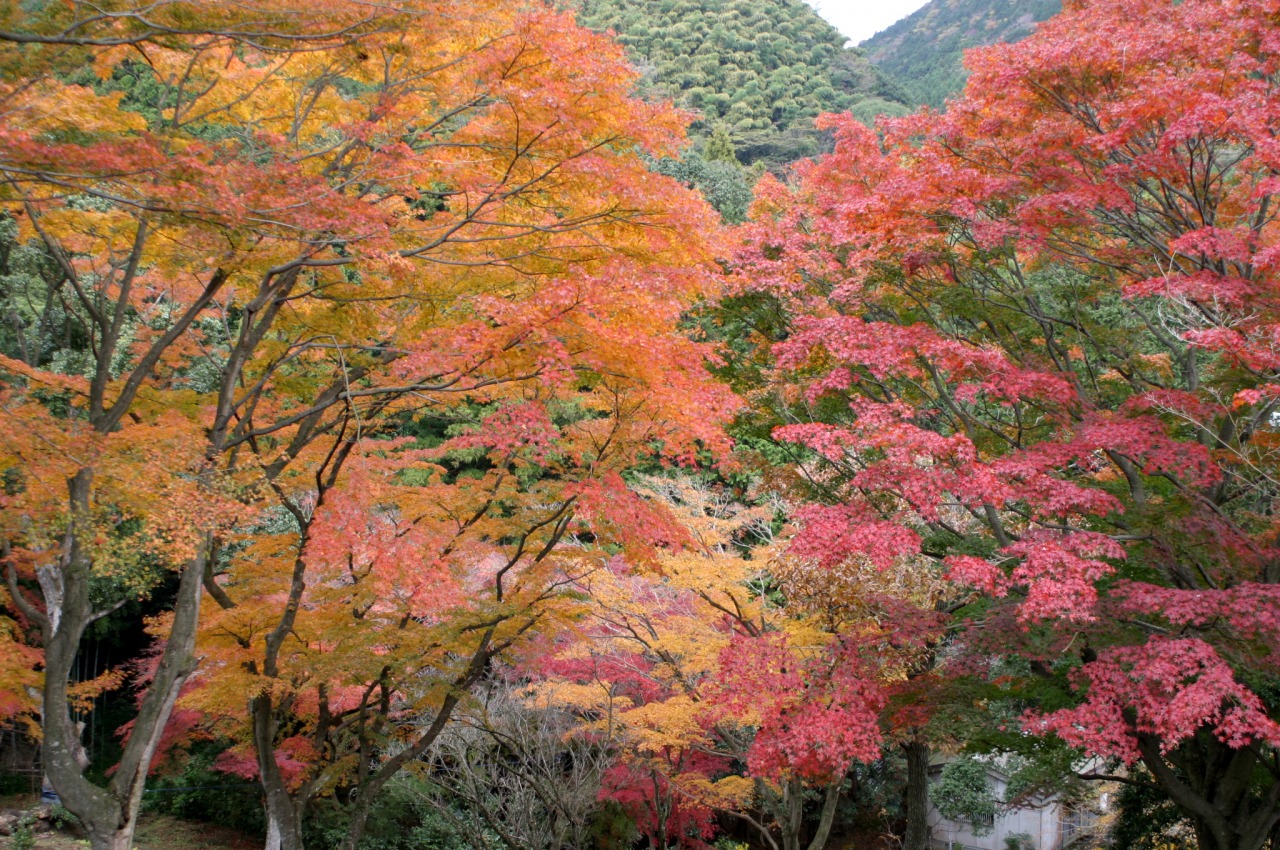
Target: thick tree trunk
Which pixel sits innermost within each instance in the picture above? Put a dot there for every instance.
(1215, 786)
(916, 796)
(109, 814)
(1206, 839)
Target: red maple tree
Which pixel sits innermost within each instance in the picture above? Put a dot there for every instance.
(1031, 340)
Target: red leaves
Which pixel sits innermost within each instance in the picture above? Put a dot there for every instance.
(521, 428)
(1059, 571)
(1171, 688)
(1045, 325)
(613, 510)
(830, 534)
(817, 712)
(1248, 610)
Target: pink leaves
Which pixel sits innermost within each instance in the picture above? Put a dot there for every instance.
(617, 514)
(523, 429)
(237, 762)
(1216, 243)
(293, 757)
(832, 534)
(817, 713)
(1248, 611)
(1169, 688)
(977, 572)
(1059, 571)
(886, 350)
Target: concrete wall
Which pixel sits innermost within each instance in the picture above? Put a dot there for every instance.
(1041, 822)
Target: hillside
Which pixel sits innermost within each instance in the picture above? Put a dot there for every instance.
(923, 51)
(764, 68)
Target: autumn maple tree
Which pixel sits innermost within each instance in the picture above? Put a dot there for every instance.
(1031, 341)
(275, 232)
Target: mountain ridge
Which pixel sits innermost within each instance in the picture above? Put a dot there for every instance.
(762, 68)
(923, 52)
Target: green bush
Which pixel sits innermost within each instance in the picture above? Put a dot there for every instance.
(23, 838)
(198, 792)
(964, 794)
(400, 819)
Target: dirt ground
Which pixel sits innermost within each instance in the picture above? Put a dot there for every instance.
(155, 832)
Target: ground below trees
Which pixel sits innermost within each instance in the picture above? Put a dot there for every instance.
(155, 832)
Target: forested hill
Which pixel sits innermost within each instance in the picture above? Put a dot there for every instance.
(764, 68)
(923, 51)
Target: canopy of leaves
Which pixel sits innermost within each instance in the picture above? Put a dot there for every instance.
(1026, 345)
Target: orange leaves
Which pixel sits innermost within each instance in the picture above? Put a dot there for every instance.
(19, 680)
(56, 109)
(291, 233)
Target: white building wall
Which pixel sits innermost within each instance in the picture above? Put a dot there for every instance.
(1041, 822)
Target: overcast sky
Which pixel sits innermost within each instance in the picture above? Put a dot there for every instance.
(861, 19)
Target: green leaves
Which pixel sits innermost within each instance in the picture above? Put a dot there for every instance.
(764, 69)
(964, 793)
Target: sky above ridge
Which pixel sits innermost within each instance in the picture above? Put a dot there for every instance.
(858, 20)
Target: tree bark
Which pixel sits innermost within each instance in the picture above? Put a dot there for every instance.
(916, 796)
(828, 817)
(284, 815)
(1214, 785)
(109, 814)
(792, 820)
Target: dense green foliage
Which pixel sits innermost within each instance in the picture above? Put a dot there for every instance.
(923, 52)
(1147, 819)
(714, 170)
(196, 790)
(963, 793)
(764, 68)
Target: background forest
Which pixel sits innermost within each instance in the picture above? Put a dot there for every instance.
(470, 425)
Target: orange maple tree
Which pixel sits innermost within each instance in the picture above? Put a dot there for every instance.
(278, 228)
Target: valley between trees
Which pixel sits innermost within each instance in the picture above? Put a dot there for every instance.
(398, 450)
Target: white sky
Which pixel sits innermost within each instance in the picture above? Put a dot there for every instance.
(861, 19)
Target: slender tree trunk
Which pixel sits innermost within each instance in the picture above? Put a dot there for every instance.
(284, 814)
(828, 817)
(792, 820)
(370, 786)
(916, 797)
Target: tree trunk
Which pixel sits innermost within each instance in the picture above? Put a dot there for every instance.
(109, 814)
(916, 796)
(370, 786)
(787, 810)
(828, 817)
(284, 815)
(1214, 785)
(791, 819)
